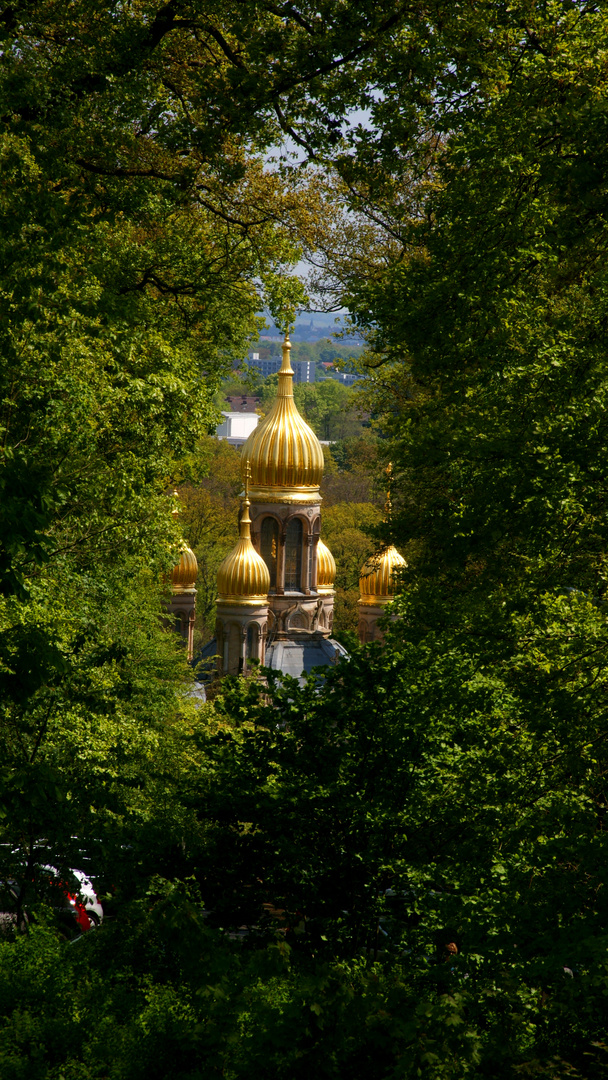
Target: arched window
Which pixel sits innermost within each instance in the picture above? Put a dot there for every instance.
(293, 556)
(270, 547)
(252, 642)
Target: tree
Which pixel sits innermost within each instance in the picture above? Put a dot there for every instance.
(93, 710)
(417, 810)
(447, 790)
(329, 407)
(489, 328)
(123, 297)
(210, 521)
(348, 531)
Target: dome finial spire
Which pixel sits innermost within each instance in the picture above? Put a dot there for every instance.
(286, 371)
(245, 523)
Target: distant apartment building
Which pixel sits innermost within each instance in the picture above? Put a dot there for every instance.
(344, 377)
(304, 370)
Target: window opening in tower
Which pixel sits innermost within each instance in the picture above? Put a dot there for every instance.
(251, 650)
(293, 556)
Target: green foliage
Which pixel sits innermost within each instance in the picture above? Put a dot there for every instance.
(210, 522)
(127, 286)
(96, 1010)
(422, 802)
(326, 349)
(447, 789)
(347, 530)
(93, 708)
(491, 380)
(284, 295)
(329, 407)
(470, 789)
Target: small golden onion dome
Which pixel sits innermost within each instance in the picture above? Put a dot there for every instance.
(184, 575)
(326, 569)
(243, 577)
(377, 578)
(284, 454)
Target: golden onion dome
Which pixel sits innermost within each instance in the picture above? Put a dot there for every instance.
(243, 577)
(184, 574)
(377, 578)
(326, 569)
(284, 454)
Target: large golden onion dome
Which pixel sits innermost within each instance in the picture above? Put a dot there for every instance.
(184, 574)
(284, 454)
(243, 577)
(326, 569)
(377, 578)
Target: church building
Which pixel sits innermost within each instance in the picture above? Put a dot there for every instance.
(275, 599)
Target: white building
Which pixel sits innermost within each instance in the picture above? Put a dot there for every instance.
(237, 427)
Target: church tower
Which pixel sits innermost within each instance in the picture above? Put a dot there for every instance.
(243, 582)
(181, 606)
(284, 460)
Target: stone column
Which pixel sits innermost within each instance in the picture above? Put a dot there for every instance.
(181, 608)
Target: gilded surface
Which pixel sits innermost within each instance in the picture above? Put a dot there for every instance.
(377, 579)
(243, 575)
(326, 568)
(183, 576)
(284, 454)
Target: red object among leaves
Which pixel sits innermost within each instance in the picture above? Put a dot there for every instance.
(80, 912)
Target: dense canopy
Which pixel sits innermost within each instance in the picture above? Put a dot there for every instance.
(400, 871)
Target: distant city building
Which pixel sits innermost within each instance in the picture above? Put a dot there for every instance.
(265, 367)
(343, 377)
(304, 370)
(237, 427)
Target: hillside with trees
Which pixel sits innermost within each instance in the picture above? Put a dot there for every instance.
(400, 871)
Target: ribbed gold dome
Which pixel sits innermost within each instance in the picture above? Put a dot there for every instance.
(376, 581)
(284, 454)
(243, 577)
(184, 575)
(326, 569)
